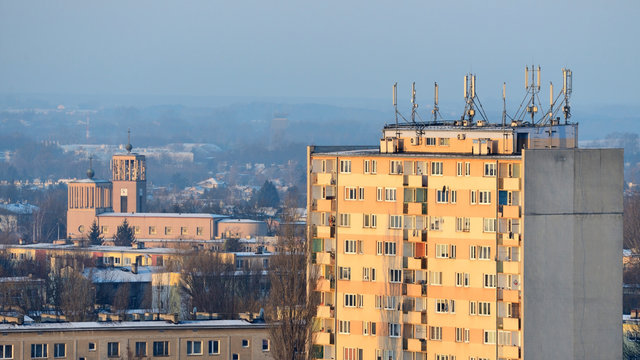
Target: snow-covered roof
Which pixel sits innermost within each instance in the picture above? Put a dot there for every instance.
(164, 215)
(129, 325)
(120, 275)
(19, 208)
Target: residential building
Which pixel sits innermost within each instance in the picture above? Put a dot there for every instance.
(467, 240)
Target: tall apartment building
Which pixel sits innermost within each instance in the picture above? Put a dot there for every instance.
(467, 241)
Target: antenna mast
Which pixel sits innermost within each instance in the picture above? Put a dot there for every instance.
(566, 90)
(436, 109)
(414, 105)
(533, 89)
(504, 104)
(395, 107)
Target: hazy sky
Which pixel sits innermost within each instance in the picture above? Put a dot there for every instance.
(343, 48)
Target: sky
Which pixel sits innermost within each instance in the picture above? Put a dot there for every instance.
(319, 49)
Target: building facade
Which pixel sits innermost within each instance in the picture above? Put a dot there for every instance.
(467, 241)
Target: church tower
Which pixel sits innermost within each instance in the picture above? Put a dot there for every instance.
(129, 181)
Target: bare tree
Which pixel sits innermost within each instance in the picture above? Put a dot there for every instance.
(631, 229)
(207, 280)
(65, 285)
(292, 302)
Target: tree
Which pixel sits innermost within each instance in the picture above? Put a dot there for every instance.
(267, 196)
(292, 302)
(206, 280)
(95, 237)
(124, 235)
(72, 294)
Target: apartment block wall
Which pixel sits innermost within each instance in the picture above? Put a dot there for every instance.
(572, 265)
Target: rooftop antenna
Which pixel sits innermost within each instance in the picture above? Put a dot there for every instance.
(129, 146)
(395, 107)
(504, 104)
(566, 91)
(90, 172)
(414, 105)
(469, 96)
(436, 109)
(534, 89)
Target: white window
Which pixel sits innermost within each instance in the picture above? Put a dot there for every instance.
(395, 221)
(459, 279)
(350, 300)
(473, 252)
(391, 303)
(395, 167)
(459, 168)
(395, 276)
(390, 248)
(39, 351)
(463, 224)
(352, 354)
(6, 351)
(467, 279)
(380, 194)
(350, 193)
(454, 196)
(435, 333)
(484, 252)
(394, 330)
(345, 166)
(452, 253)
(442, 251)
(194, 347)
(365, 328)
(490, 169)
(489, 336)
(344, 327)
(379, 301)
(374, 220)
(390, 194)
(484, 197)
(467, 169)
(436, 168)
(344, 273)
(473, 308)
(367, 166)
(374, 166)
(442, 195)
(59, 350)
(484, 308)
(366, 274)
(345, 220)
(366, 220)
(435, 223)
(466, 335)
(459, 335)
(489, 225)
(489, 280)
(350, 246)
(442, 306)
(361, 193)
(444, 141)
(436, 277)
(214, 347)
(379, 248)
(266, 345)
(431, 141)
(504, 337)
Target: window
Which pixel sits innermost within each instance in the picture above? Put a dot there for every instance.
(6, 351)
(235, 356)
(394, 330)
(265, 345)
(344, 327)
(484, 308)
(390, 194)
(489, 336)
(395, 167)
(59, 350)
(104, 229)
(352, 354)
(369, 220)
(374, 166)
(395, 221)
(350, 300)
(436, 168)
(194, 347)
(435, 223)
(379, 301)
(391, 303)
(214, 347)
(459, 169)
(367, 166)
(442, 195)
(345, 220)
(38, 350)
(473, 252)
(466, 335)
(380, 193)
(350, 193)
(345, 166)
(344, 273)
(489, 280)
(489, 225)
(350, 246)
(467, 279)
(442, 357)
(160, 348)
(245, 343)
(436, 278)
(463, 224)
(365, 328)
(152, 230)
(442, 306)
(92, 346)
(435, 333)
(442, 251)
(467, 169)
(366, 274)
(141, 348)
(473, 196)
(452, 253)
(183, 230)
(459, 335)
(484, 252)
(199, 231)
(444, 141)
(459, 279)
(136, 230)
(473, 308)
(490, 169)
(379, 248)
(390, 248)
(361, 193)
(395, 276)
(113, 349)
(454, 196)
(431, 141)
(485, 197)
(167, 230)
(374, 220)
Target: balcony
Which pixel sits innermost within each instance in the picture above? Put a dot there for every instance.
(509, 211)
(509, 324)
(411, 263)
(325, 231)
(413, 208)
(323, 338)
(325, 312)
(414, 235)
(324, 258)
(413, 345)
(324, 205)
(507, 295)
(415, 181)
(512, 184)
(508, 352)
(324, 179)
(509, 267)
(325, 285)
(412, 317)
(509, 239)
(412, 290)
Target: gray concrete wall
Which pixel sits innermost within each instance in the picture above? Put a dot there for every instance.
(572, 289)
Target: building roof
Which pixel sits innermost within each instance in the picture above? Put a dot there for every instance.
(375, 151)
(19, 208)
(130, 325)
(89, 181)
(248, 221)
(120, 274)
(164, 215)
